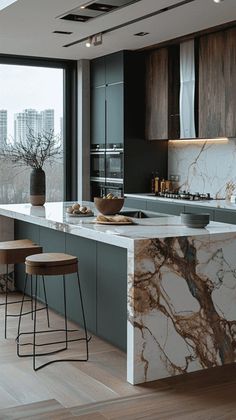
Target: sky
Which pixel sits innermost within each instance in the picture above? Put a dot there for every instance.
(24, 87)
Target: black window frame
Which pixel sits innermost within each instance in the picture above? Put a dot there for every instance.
(69, 113)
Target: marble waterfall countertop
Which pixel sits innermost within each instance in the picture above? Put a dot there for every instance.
(181, 288)
(54, 216)
(215, 204)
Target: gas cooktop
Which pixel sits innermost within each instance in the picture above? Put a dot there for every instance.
(183, 195)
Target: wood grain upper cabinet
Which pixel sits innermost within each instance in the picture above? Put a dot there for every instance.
(212, 85)
(217, 81)
(157, 95)
(230, 82)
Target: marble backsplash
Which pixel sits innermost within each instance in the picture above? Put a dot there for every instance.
(204, 166)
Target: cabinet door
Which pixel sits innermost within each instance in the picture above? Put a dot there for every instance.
(112, 294)
(199, 209)
(167, 208)
(98, 116)
(115, 68)
(115, 113)
(136, 203)
(225, 216)
(212, 85)
(230, 81)
(157, 95)
(85, 250)
(98, 72)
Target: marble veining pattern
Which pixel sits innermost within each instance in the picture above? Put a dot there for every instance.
(203, 166)
(182, 305)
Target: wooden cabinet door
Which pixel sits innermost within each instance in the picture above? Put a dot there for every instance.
(157, 95)
(212, 94)
(98, 100)
(230, 83)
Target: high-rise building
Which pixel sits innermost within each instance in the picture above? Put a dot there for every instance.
(30, 119)
(3, 127)
(47, 118)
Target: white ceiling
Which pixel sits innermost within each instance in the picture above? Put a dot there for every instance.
(26, 26)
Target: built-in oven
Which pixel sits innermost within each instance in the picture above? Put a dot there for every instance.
(98, 162)
(114, 163)
(100, 187)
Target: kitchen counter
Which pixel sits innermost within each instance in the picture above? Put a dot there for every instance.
(181, 288)
(215, 204)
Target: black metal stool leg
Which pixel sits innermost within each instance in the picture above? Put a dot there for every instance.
(83, 315)
(35, 319)
(46, 302)
(31, 295)
(6, 301)
(65, 310)
(20, 315)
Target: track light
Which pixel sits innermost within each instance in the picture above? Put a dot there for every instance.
(94, 40)
(88, 42)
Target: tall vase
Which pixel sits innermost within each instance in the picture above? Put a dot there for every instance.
(37, 187)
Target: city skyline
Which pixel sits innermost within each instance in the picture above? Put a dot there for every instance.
(29, 87)
(37, 120)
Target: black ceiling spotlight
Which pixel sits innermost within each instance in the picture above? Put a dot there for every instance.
(76, 18)
(141, 33)
(101, 7)
(63, 32)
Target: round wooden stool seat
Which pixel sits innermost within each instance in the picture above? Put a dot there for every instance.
(14, 252)
(51, 264)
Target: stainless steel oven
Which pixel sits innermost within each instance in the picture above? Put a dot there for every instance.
(98, 163)
(114, 163)
(100, 187)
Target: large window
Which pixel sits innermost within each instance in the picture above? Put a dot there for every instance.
(31, 99)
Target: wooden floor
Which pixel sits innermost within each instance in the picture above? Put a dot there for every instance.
(98, 390)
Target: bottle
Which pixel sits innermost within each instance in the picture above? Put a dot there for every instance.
(163, 185)
(157, 183)
(153, 183)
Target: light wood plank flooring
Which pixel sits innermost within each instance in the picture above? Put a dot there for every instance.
(98, 390)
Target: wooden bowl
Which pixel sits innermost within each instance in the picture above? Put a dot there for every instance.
(108, 206)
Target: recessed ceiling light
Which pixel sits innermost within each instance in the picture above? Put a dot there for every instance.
(63, 32)
(141, 34)
(218, 1)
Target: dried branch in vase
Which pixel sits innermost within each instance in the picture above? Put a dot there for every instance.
(34, 151)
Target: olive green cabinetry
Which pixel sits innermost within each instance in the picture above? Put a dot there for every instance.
(104, 286)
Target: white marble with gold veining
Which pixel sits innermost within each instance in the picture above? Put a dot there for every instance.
(181, 287)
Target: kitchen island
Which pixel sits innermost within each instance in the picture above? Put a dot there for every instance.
(174, 287)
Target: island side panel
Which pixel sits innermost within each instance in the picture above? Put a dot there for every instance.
(181, 306)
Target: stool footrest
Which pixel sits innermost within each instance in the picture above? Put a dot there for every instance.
(17, 301)
(54, 342)
(30, 312)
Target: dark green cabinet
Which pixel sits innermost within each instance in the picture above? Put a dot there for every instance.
(107, 100)
(114, 65)
(112, 294)
(104, 287)
(225, 216)
(168, 208)
(136, 203)
(98, 112)
(199, 209)
(98, 72)
(115, 113)
(85, 250)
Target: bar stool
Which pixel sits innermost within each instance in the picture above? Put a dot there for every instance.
(14, 252)
(51, 264)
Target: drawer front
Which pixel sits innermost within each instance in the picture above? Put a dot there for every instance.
(199, 210)
(168, 208)
(136, 203)
(225, 216)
